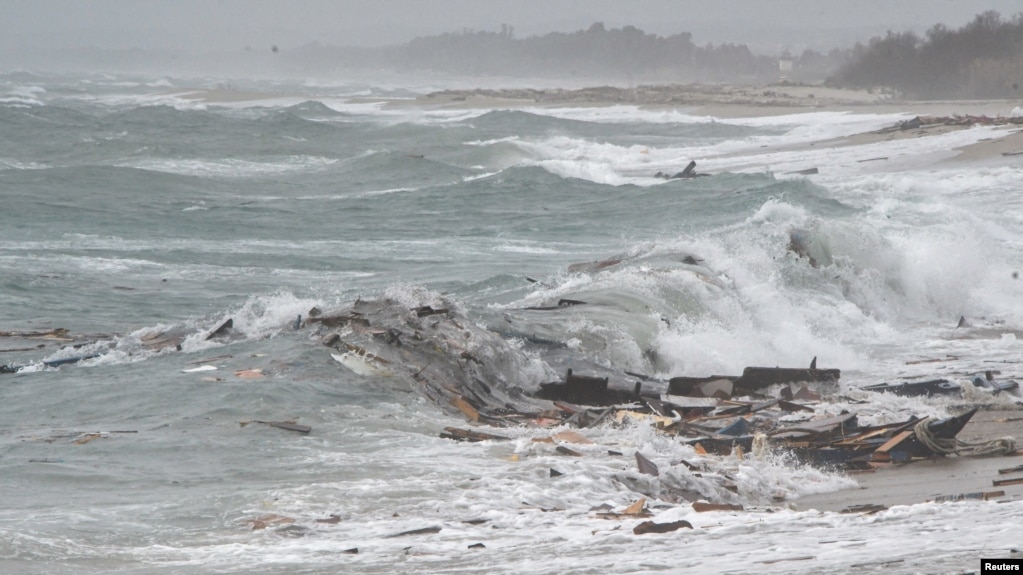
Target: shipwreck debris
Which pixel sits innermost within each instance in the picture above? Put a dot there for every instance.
(585, 390)
(688, 173)
(420, 531)
(646, 466)
(221, 330)
(651, 527)
(286, 425)
(457, 434)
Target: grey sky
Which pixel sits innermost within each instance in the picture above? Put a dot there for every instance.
(201, 25)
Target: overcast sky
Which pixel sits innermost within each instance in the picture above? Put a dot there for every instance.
(202, 25)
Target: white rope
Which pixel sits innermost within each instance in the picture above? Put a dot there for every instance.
(955, 446)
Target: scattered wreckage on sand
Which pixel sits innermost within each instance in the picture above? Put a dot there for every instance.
(463, 368)
(470, 370)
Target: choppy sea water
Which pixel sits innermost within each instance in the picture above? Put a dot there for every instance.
(132, 208)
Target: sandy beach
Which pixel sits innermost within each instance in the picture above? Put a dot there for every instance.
(771, 100)
(945, 477)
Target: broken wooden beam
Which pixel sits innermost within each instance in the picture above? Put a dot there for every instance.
(645, 465)
(754, 378)
(470, 436)
(867, 508)
(977, 495)
(651, 527)
(587, 390)
(421, 531)
(714, 386)
(285, 425)
(703, 507)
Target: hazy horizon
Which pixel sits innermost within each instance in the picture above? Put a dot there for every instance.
(32, 26)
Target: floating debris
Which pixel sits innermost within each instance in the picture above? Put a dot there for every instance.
(286, 425)
(651, 527)
(421, 531)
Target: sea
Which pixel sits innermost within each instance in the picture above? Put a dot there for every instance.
(137, 206)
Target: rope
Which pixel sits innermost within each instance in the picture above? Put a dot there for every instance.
(955, 446)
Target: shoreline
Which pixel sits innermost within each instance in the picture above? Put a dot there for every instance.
(726, 101)
(951, 477)
(735, 101)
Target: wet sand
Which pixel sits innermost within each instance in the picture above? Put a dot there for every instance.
(926, 480)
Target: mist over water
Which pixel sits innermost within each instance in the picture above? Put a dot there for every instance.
(132, 208)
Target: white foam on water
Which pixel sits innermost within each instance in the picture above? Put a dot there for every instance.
(230, 167)
(533, 523)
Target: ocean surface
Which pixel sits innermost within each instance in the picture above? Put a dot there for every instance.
(133, 207)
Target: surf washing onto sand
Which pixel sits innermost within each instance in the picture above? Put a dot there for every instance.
(264, 333)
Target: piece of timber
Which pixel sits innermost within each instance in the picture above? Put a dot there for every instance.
(470, 436)
(917, 388)
(754, 378)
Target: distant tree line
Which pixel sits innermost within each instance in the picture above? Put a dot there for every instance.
(625, 53)
(983, 59)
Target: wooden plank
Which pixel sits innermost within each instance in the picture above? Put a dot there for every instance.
(981, 495)
(566, 451)
(1001, 482)
(754, 378)
(465, 408)
(636, 508)
(646, 466)
(701, 507)
(651, 527)
(290, 426)
(893, 442)
(468, 435)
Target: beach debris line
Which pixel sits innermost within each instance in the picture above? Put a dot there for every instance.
(442, 355)
(976, 495)
(924, 122)
(933, 387)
